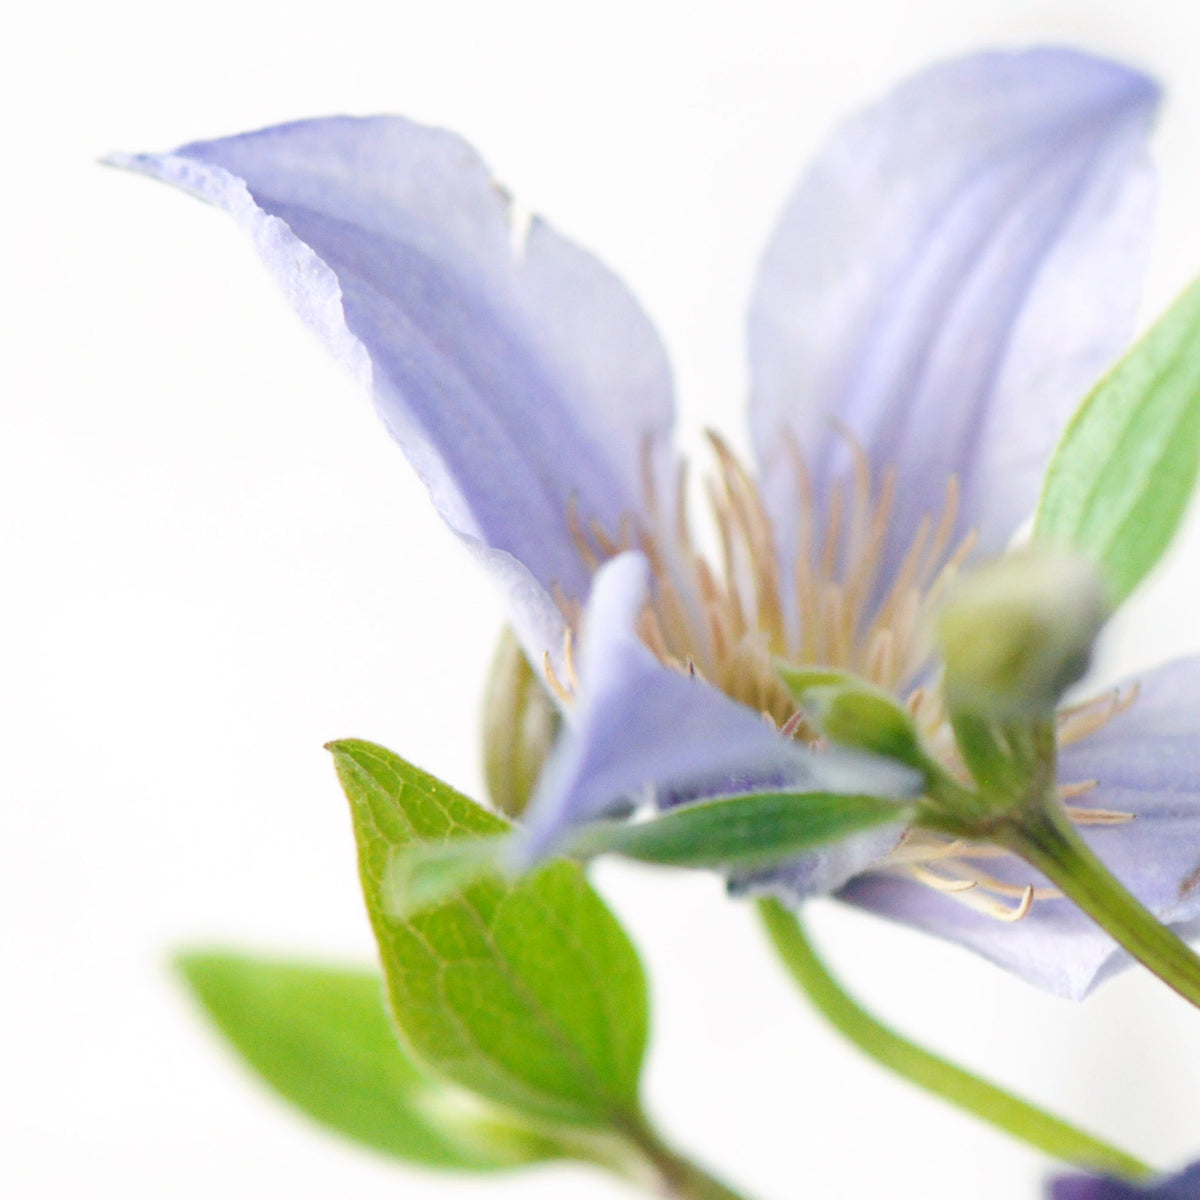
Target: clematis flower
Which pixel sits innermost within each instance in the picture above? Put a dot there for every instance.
(1184, 1186)
(954, 271)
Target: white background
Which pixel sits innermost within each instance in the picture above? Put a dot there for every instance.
(214, 560)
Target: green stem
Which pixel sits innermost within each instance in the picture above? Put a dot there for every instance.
(927, 1070)
(1048, 841)
(677, 1176)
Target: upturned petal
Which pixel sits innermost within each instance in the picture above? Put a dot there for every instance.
(950, 278)
(642, 731)
(1146, 763)
(517, 373)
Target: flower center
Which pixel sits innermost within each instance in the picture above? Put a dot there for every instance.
(821, 602)
(813, 603)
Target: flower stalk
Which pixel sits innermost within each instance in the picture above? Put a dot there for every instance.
(1016, 807)
(677, 1177)
(1024, 1121)
(1045, 839)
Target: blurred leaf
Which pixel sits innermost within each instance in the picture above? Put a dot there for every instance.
(1120, 479)
(527, 992)
(740, 831)
(320, 1036)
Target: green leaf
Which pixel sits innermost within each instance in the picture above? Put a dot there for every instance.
(740, 831)
(851, 712)
(1120, 479)
(320, 1036)
(425, 873)
(743, 832)
(527, 992)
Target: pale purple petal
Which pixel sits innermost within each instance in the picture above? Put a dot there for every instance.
(515, 371)
(1184, 1186)
(643, 732)
(534, 616)
(1147, 762)
(1055, 947)
(951, 277)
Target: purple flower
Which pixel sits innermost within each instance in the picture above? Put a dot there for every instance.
(1184, 1186)
(954, 271)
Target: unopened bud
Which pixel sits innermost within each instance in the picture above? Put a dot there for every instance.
(520, 723)
(850, 712)
(1015, 634)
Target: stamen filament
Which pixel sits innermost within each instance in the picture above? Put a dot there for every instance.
(569, 659)
(727, 622)
(939, 882)
(1098, 816)
(553, 681)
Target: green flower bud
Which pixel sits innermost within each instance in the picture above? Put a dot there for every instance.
(520, 723)
(850, 712)
(1015, 634)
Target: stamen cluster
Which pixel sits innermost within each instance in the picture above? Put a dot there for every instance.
(820, 602)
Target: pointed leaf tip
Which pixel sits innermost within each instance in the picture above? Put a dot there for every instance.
(528, 992)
